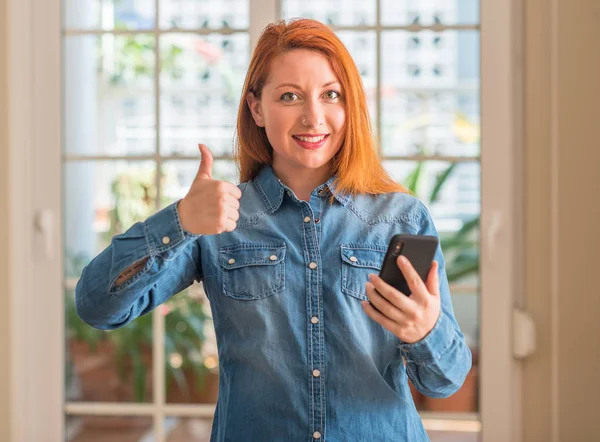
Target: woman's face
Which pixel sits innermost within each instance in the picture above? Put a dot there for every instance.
(302, 111)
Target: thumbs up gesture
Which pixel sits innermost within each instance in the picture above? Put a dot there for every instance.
(210, 206)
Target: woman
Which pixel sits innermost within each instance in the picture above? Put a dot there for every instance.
(289, 258)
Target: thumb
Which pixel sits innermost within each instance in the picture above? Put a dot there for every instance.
(206, 162)
(433, 280)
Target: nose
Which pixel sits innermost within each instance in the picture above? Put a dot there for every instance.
(314, 115)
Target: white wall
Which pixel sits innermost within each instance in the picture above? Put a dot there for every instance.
(4, 232)
(562, 219)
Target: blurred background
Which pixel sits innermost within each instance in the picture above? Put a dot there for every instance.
(138, 100)
(144, 81)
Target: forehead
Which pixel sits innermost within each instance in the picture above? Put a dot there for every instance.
(301, 66)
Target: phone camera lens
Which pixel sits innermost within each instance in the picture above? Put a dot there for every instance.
(397, 249)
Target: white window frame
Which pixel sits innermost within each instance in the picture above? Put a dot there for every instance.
(36, 295)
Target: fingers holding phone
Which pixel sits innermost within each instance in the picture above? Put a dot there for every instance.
(406, 300)
(409, 318)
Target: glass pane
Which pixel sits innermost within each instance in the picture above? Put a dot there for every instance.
(430, 93)
(362, 46)
(102, 199)
(419, 12)
(177, 177)
(108, 428)
(188, 429)
(192, 369)
(109, 14)
(109, 99)
(451, 191)
(195, 14)
(113, 366)
(201, 83)
(331, 12)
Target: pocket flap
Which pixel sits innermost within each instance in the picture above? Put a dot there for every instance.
(370, 256)
(243, 255)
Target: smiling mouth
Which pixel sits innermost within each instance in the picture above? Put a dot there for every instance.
(310, 142)
(310, 139)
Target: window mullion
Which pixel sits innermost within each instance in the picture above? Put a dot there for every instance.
(378, 65)
(158, 320)
(262, 12)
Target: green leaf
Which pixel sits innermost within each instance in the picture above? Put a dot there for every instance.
(461, 238)
(440, 181)
(139, 377)
(457, 272)
(413, 179)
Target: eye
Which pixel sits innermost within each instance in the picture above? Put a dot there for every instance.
(332, 95)
(289, 97)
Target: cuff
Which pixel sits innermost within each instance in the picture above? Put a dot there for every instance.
(164, 232)
(434, 345)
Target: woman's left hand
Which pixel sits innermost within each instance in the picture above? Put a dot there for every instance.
(410, 318)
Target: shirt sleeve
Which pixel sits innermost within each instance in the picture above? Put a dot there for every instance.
(439, 363)
(173, 264)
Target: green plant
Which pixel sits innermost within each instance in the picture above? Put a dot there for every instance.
(461, 248)
(135, 196)
(134, 56)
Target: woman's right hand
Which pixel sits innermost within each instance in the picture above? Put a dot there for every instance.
(210, 206)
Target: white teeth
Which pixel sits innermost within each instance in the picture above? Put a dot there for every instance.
(311, 139)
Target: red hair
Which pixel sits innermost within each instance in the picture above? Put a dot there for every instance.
(357, 163)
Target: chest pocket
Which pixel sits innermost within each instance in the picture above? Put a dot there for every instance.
(252, 271)
(358, 261)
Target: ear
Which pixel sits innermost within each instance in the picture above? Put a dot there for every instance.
(255, 110)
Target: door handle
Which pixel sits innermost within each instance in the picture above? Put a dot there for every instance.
(44, 224)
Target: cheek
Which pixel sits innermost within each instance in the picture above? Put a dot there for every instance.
(338, 120)
(278, 123)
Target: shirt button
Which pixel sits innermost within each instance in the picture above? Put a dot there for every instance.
(353, 259)
(273, 257)
(317, 220)
(316, 373)
(231, 261)
(317, 435)
(314, 320)
(166, 240)
(313, 265)
(307, 219)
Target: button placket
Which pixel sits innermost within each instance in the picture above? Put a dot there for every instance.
(312, 233)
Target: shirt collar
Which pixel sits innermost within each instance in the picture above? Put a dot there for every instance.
(272, 190)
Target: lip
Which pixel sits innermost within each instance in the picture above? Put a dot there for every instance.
(310, 146)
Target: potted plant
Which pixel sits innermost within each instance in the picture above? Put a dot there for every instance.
(461, 250)
(117, 365)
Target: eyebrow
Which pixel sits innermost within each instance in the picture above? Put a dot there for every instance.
(298, 87)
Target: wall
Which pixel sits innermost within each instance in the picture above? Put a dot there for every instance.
(4, 231)
(562, 215)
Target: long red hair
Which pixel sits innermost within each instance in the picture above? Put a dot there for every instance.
(357, 164)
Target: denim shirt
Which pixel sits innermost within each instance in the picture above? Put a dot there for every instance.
(299, 359)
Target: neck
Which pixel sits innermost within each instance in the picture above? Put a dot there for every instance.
(303, 181)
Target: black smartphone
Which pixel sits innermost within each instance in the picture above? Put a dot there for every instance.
(420, 251)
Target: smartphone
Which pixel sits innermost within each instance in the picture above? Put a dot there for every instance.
(420, 251)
